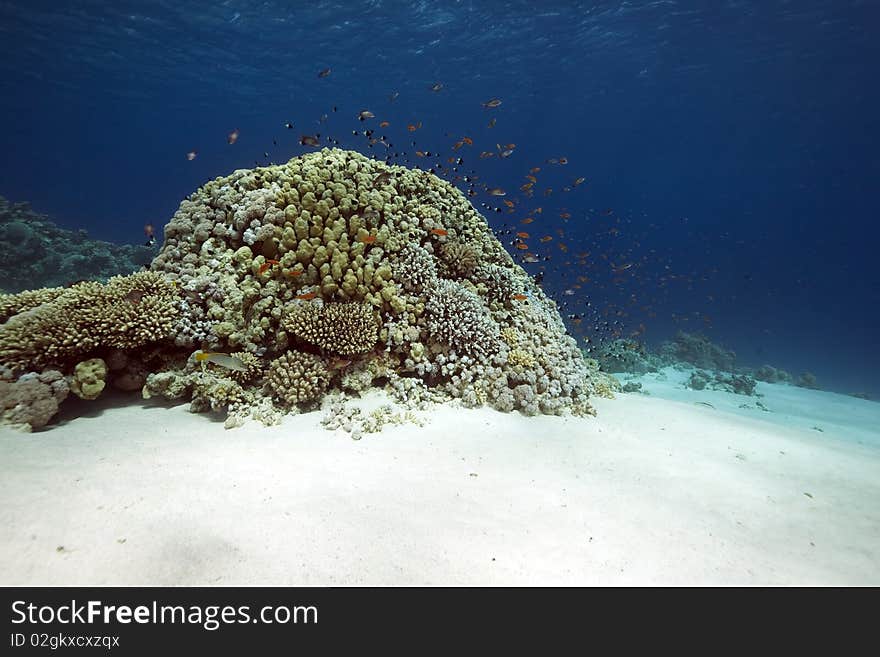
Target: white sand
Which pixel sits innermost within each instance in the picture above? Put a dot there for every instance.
(656, 490)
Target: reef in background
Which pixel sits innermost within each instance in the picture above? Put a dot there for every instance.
(35, 252)
(714, 365)
(330, 272)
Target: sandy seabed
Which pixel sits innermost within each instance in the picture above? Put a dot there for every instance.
(658, 489)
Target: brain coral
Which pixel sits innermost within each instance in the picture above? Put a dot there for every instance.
(329, 264)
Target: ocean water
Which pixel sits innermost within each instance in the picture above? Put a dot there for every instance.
(728, 150)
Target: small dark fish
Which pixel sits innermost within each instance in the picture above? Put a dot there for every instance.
(393, 96)
(437, 86)
(135, 296)
(288, 125)
(382, 179)
(309, 140)
(489, 104)
(192, 155)
(324, 73)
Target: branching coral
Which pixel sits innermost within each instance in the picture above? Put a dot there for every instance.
(337, 328)
(297, 378)
(127, 312)
(457, 318)
(414, 268)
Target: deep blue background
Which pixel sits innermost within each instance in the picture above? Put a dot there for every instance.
(737, 145)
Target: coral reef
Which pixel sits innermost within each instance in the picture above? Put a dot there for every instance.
(34, 252)
(329, 272)
(740, 384)
(770, 374)
(699, 351)
(807, 380)
(625, 355)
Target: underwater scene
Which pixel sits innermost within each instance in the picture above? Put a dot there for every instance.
(473, 293)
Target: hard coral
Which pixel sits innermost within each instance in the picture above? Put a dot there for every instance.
(457, 318)
(127, 312)
(337, 328)
(299, 265)
(297, 378)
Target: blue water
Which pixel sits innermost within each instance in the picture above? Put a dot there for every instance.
(729, 148)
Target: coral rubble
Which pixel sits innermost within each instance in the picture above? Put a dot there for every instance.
(329, 272)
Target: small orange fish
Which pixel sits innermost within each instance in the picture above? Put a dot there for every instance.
(525, 236)
(308, 296)
(232, 137)
(413, 127)
(468, 141)
(457, 145)
(309, 140)
(546, 238)
(527, 220)
(486, 154)
(295, 272)
(531, 179)
(420, 153)
(439, 232)
(509, 204)
(497, 191)
(368, 239)
(510, 147)
(539, 210)
(522, 247)
(534, 169)
(263, 268)
(526, 187)
(563, 160)
(384, 124)
(565, 215)
(519, 297)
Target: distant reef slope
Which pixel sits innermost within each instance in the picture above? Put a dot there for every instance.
(35, 252)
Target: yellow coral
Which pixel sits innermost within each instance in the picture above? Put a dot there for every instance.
(521, 357)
